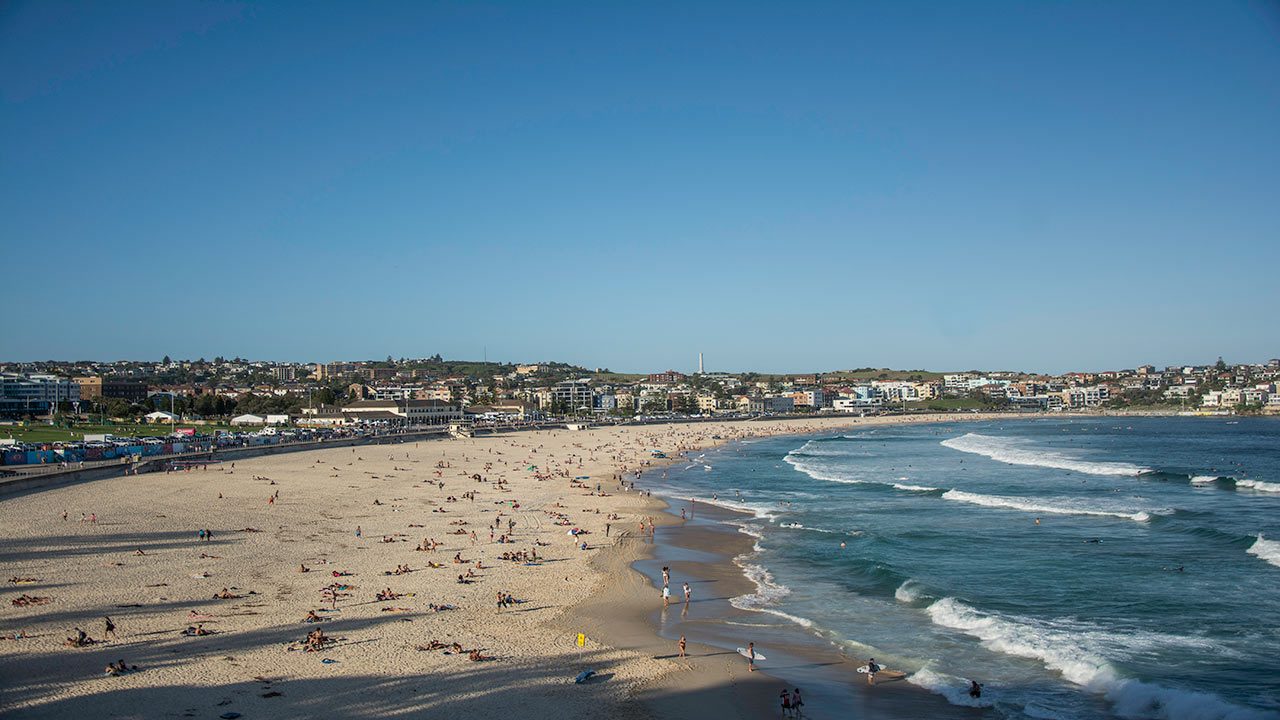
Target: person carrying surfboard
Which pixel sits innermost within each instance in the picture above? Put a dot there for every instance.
(872, 669)
(751, 657)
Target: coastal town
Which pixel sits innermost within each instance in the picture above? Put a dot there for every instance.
(433, 391)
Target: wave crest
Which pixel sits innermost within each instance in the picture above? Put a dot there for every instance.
(1041, 506)
(1268, 550)
(1014, 452)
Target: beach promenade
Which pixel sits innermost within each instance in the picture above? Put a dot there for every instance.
(443, 576)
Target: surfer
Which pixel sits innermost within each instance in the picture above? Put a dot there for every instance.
(872, 669)
(975, 690)
(751, 657)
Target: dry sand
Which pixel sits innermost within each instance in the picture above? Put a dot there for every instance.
(142, 565)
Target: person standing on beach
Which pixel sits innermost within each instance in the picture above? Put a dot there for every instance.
(666, 597)
(681, 645)
(751, 657)
(687, 594)
(109, 628)
(666, 576)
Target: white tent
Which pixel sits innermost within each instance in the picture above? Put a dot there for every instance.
(248, 419)
(160, 416)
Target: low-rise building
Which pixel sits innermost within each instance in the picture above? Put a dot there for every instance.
(92, 388)
(408, 412)
(35, 393)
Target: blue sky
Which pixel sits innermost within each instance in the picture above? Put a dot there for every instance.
(790, 186)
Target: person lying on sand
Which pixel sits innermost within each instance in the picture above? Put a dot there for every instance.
(193, 615)
(477, 656)
(119, 667)
(196, 630)
(25, 600)
(440, 608)
(227, 595)
(312, 617)
(433, 645)
(23, 580)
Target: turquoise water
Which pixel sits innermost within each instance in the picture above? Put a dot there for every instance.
(1148, 588)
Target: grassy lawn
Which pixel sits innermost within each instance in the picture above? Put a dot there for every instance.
(947, 404)
(48, 433)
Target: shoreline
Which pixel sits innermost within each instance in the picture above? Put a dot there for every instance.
(91, 570)
(706, 550)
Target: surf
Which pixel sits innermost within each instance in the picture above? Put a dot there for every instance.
(1268, 550)
(1014, 451)
(1043, 507)
(1076, 653)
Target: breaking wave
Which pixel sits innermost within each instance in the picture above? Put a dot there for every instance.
(1014, 451)
(1268, 550)
(1041, 506)
(954, 689)
(1077, 653)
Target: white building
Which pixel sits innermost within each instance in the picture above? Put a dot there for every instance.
(856, 404)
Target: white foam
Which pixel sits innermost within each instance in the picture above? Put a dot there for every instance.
(1076, 652)
(762, 513)
(819, 474)
(1258, 485)
(798, 526)
(908, 592)
(1014, 452)
(1204, 479)
(1062, 507)
(915, 488)
(954, 689)
(768, 591)
(1268, 550)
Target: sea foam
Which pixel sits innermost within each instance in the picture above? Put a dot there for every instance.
(1268, 550)
(768, 593)
(908, 592)
(1258, 485)
(1015, 452)
(1077, 654)
(1041, 506)
(954, 689)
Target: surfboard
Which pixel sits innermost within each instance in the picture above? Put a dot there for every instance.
(746, 654)
(883, 673)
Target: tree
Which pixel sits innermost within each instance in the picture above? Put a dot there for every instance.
(166, 360)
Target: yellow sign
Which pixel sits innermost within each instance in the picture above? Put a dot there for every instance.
(582, 640)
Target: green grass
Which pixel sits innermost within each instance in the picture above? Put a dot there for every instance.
(947, 404)
(48, 433)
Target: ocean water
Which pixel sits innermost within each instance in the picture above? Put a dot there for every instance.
(1077, 568)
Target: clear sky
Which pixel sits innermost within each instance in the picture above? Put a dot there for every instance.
(783, 186)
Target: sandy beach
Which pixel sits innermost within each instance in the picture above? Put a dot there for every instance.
(433, 639)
